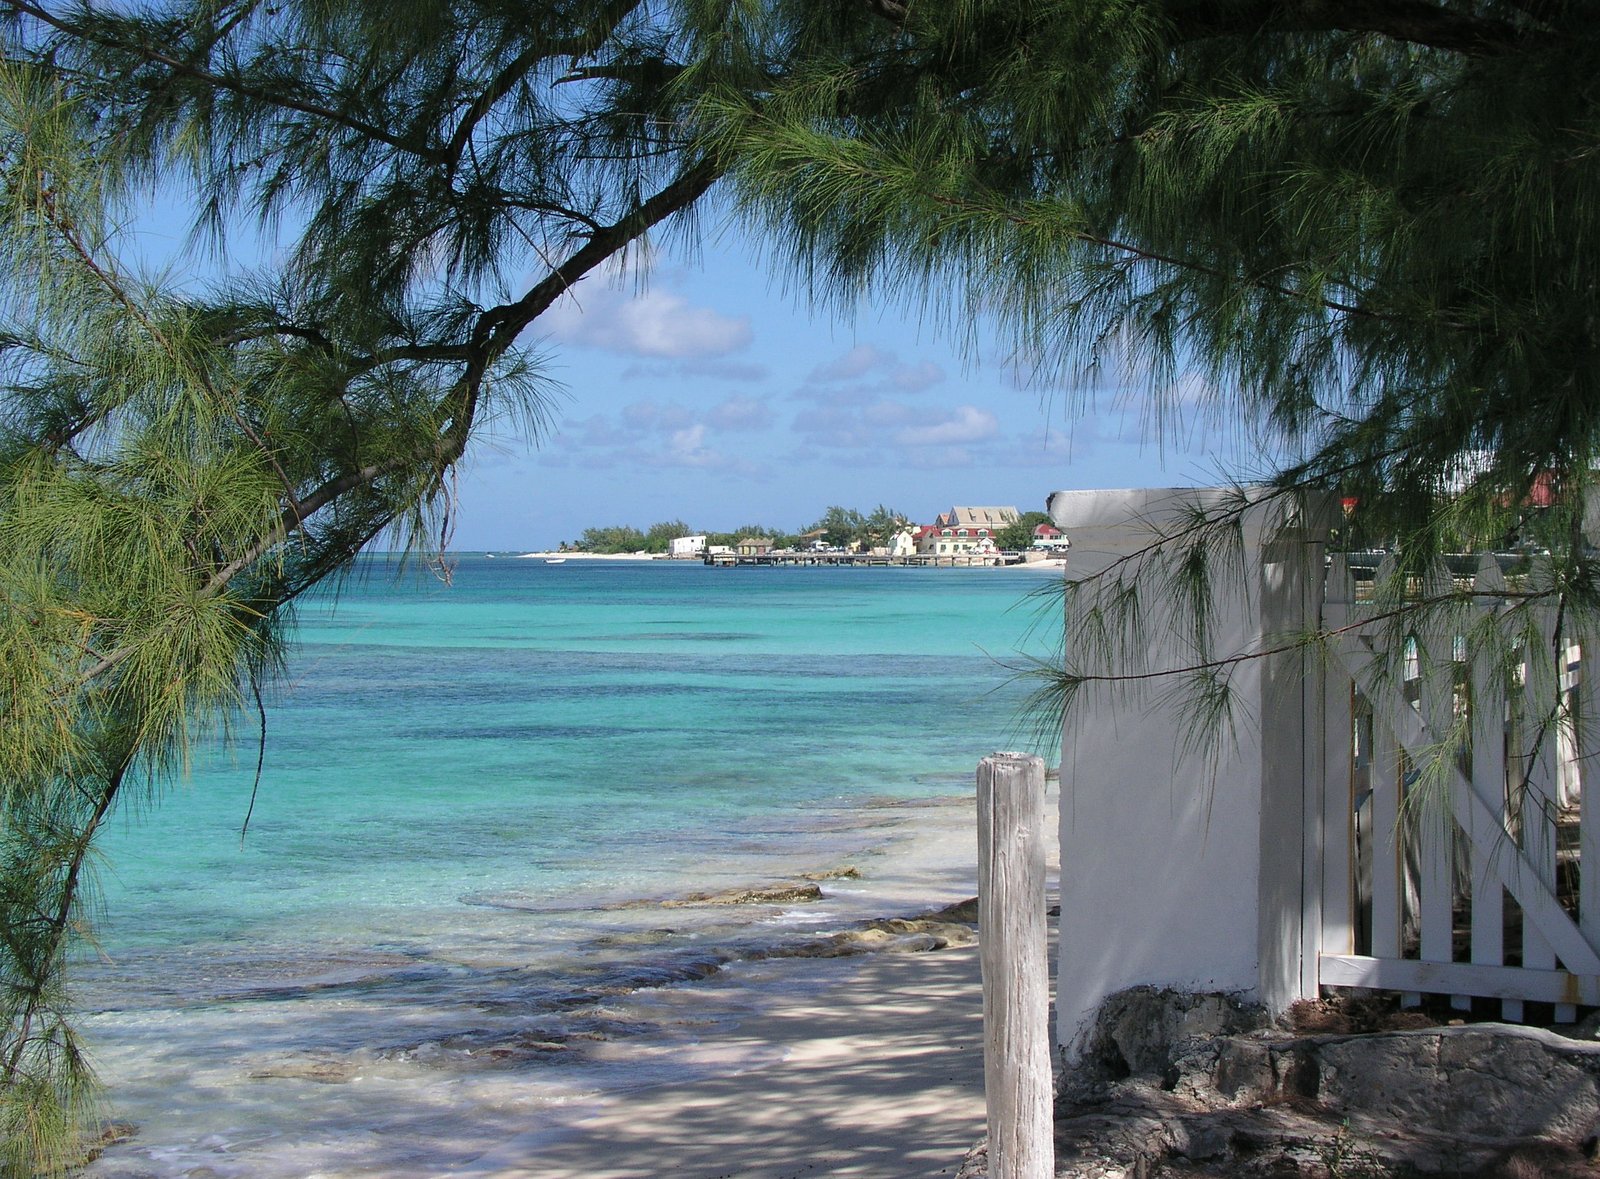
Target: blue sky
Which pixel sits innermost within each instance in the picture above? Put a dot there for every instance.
(715, 396)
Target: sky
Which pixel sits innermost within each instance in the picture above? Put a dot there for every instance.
(715, 395)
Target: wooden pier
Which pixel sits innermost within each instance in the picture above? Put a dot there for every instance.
(858, 560)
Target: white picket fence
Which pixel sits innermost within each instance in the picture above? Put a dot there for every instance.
(1400, 807)
(1456, 827)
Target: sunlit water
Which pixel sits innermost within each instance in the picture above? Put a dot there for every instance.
(432, 935)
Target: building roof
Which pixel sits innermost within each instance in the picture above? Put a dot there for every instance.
(992, 517)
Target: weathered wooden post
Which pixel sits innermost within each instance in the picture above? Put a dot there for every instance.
(1016, 977)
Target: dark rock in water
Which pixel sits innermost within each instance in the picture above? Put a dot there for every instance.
(936, 929)
(893, 935)
(109, 1134)
(779, 894)
(325, 1072)
(845, 873)
(964, 911)
(637, 937)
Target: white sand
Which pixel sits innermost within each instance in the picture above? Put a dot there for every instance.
(869, 1066)
(560, 556)
(877, 1073)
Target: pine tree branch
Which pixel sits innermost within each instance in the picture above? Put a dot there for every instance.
(578, 46)
(893, 11)
(113, 286)
(1143, 254)
(500, 326)
(605, 23)
(1415, 22)
(628, 71)
(1548, 12)
(58, 921)
(502, 85)
(1523, 598)
(159, 55)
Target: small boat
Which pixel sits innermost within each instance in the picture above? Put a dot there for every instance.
(555, 560)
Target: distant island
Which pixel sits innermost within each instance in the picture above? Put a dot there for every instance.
(960, 530)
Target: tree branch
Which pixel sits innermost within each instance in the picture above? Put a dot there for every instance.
(501, 325)
(161, 56)
(1415, 22)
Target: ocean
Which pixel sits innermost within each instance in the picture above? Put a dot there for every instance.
(449, 919)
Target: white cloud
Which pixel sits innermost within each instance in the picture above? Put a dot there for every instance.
(651, 417)
(653, 434)
(965, 425)
(941, 457)
(740, 413)
(687, 448)
(726, 370)
(857, 362)
(656, 324)
(914, 378)
(836, 428)
(891, 413)
(865, 370)
(898, 428)
(742, 371)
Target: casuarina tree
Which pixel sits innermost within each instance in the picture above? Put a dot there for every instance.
(176, 467)
(1366, 232)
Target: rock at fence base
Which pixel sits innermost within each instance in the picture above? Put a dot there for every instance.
(1190, 1086)
(1138, 1029)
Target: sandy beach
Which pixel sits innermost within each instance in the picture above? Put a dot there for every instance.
(869, 1066)
(567, 555)
(770, 1066)
(876, 1072)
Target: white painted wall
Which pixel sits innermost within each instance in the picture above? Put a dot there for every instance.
(1162, 865)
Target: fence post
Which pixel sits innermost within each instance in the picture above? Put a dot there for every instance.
(1016, 981)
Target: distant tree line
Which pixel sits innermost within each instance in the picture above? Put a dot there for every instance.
(838, 527)
(1020, 534)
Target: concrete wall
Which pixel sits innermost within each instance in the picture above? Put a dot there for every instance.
(1173, 873)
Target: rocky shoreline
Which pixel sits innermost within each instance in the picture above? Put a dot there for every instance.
(1180, 1086)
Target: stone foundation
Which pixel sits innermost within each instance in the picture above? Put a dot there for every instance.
(1182, 1085)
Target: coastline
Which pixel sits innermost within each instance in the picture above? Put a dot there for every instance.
(752, 1056)
(868, 1066)
(558, 555)
(1051, 565)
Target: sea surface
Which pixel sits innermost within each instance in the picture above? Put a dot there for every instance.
(445, 922)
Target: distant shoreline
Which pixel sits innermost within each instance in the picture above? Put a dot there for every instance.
(569, 556)
(1051, 566)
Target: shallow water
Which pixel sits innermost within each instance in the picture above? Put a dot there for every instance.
(430, 937)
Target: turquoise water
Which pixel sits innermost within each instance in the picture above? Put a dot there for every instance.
(467, 790)
(519, 727)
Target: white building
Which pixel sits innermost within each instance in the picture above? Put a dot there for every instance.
(965, 531)
(687, 546)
